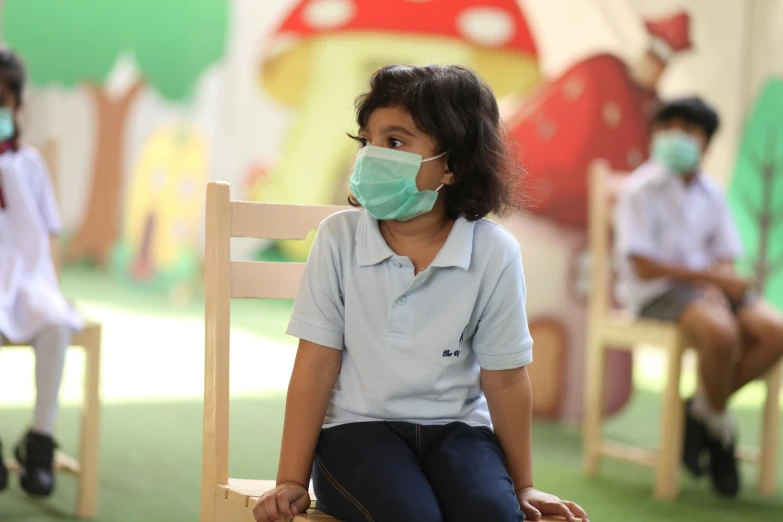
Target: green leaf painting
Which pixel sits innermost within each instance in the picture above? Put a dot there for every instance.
(78, 41)
(756, 192)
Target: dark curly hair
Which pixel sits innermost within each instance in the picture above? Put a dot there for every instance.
(458, 109)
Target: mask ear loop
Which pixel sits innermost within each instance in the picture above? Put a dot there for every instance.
(435, 157)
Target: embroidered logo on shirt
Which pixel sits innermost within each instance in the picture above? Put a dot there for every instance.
(455, 353)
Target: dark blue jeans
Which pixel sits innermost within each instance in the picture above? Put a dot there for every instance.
(403, 472)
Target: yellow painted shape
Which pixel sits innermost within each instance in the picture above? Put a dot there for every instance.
(168, 182)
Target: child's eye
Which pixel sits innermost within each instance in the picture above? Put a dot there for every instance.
(363, 142)
(394, 143)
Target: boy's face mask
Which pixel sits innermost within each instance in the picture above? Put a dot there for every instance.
(384, 183)
(7, 127)
(678, 151)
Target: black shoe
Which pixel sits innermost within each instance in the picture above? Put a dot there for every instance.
(694, 443)
(724, 470)
(35, 453)
(3, 470)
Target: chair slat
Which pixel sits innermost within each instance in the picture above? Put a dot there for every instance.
(278, 221)
(265, 280)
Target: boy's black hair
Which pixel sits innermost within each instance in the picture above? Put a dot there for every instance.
(458, 109)
(692, 109)
(12, 72)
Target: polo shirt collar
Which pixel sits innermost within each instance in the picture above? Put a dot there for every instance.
(372, 248)
(663, 177)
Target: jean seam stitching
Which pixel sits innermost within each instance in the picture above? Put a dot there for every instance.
(343, 491)
(418, 440)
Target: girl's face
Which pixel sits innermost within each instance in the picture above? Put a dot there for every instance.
(393, 128)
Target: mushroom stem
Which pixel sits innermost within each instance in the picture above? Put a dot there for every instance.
(648, 70)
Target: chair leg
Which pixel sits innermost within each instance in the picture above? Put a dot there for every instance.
(594, 404)
(87, 504)
(667, 480)
(770, 432)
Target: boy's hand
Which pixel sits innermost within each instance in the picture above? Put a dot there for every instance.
(734, 286)
(536, 503)
(282, 503)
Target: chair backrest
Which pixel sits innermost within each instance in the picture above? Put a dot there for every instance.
(226, 279)
(603, 187)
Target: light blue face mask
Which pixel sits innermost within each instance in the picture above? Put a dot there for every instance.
(7, 127)
(678, 151)
(384, 183)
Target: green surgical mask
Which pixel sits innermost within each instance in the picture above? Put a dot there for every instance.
(678, 151)
(7, 127)
(384, 183)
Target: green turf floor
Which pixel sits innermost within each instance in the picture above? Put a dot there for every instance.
(150, 454)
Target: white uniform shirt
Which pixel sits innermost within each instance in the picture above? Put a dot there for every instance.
(412, 345)
(30, 297)
(660, 217)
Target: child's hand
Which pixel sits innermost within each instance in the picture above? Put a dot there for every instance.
(282, 503)
(536, 503)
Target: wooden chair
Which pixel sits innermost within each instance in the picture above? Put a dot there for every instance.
(224, 499)
(611, 328)
(89, 339)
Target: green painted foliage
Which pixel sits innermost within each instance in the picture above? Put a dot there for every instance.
(756, 192)
(75, 41)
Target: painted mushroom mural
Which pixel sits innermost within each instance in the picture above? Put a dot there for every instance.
(599, 108)
(324, 51)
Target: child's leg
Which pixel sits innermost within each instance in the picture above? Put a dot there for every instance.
(762, 327)
(466, 468)
(370, 472)
(50, 346)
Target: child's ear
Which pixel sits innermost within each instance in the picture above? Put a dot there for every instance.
(447, 179)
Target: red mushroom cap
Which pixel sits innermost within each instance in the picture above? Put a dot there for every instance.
(670, 35)
(497, 24)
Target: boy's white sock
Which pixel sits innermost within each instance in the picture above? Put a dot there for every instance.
(719, 424)
(50, 347)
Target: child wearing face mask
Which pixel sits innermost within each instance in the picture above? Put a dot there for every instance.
(410, 398)
(32, 309)
(676, 245)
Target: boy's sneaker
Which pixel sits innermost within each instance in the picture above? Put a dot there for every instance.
(723, 466)
(35, 453)
(3, 470)
(695, 442)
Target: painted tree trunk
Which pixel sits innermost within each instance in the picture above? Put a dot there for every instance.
(100, 225)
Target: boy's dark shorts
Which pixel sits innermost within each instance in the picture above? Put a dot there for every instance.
(669, 305)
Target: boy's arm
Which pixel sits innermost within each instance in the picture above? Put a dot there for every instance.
(510, 400)
(312, 381)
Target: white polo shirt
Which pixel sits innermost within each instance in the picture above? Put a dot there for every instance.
(412, 345)
(30, 297)
(660, 217)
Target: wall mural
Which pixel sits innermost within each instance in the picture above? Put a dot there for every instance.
(163, 210)
(756, 191)
(78, 45)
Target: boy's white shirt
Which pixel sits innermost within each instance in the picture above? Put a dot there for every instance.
(30, 296)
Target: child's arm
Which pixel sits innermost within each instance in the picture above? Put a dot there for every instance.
(510, 400)
(54, 251)
(312, 381)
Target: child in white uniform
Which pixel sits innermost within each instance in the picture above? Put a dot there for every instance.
(32, 309)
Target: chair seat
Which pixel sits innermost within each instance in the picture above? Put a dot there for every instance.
(624, 329)
(78, 338)
(243, 493)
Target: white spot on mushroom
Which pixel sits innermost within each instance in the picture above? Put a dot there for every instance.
(634, 158)
(546, 130)
(573, 88)
(612, 114)
(488, 26)
(328, 14)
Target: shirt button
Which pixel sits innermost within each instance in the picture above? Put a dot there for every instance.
(401, 300)
(397, 264)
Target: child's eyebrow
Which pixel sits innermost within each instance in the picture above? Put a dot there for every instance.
(397, 128)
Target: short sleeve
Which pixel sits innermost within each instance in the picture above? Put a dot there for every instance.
(319, 308)
(502, 340)
(728, 246)
(44, 196)
(634, 232)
